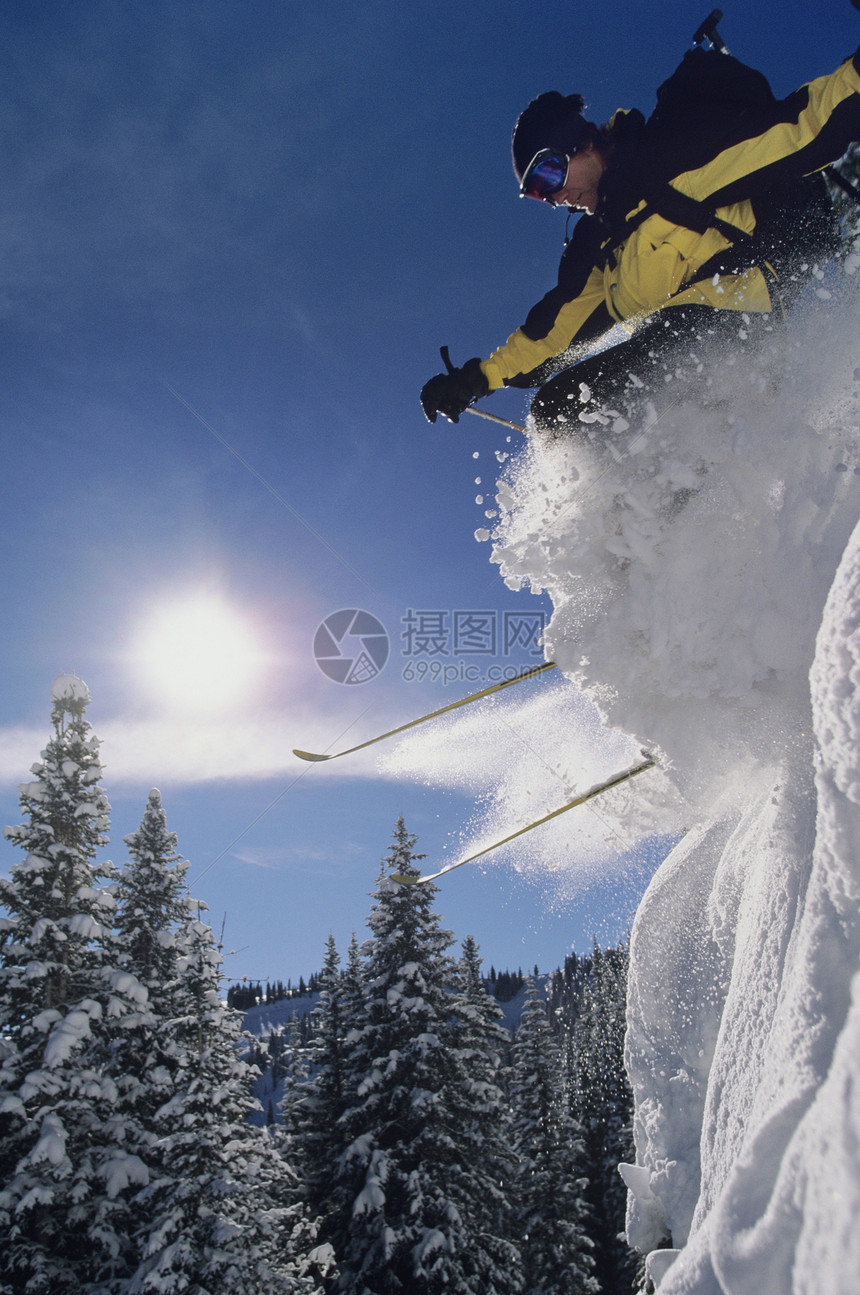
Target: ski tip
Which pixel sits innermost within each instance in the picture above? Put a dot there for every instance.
(405, 880)
(310, 755)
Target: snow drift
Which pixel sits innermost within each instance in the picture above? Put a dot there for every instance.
(704, 570)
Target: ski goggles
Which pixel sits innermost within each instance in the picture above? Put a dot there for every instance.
(545, 175)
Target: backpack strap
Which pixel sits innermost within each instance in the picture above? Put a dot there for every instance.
(692, 214)
(678, 209)
(742, 255)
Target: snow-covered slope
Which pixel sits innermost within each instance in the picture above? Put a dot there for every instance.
(266, 1018)
(700, 569)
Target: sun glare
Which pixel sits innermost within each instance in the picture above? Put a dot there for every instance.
(199, 654)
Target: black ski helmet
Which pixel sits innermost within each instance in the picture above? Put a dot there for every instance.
(552, 120)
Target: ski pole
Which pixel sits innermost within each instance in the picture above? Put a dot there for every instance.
(708, 31)
(494, 418)
(844, 184)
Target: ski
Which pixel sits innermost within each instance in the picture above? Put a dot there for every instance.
(598, 790)
(423, 719)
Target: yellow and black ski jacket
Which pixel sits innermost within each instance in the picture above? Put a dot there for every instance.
(691, 211)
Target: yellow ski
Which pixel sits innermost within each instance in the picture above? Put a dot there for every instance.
(601, 787)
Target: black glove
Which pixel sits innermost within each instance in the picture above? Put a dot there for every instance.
(450, 393)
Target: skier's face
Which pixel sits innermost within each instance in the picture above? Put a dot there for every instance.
(583, 176)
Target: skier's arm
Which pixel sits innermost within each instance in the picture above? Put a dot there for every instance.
(806, 131)
(573, 311)
(553, 326)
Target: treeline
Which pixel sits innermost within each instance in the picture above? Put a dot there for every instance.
(418, 1146)
(247, 994)
(504, 986)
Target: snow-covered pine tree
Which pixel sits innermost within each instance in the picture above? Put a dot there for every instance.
(220, 1213)
(602, 1105)
(549, 1205)
(479, 1178)
(152, 908)
(395, 1227)
(352, 982)
(312, 1110)
(63, 1167)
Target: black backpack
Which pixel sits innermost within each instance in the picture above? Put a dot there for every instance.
(706, 97)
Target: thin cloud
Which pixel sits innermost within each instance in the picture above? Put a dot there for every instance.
(269, 860)
(141, 753)
(19, 749)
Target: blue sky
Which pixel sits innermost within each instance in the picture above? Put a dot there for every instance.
(234, 237)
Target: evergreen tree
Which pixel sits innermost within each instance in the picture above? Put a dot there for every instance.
(152, 914)
(481, 1131)
(352, 982)
(221, 1212)
(602, 1104)
(396, 1227)
(152, 910)
(277, 1048)
(549, 1204)
(312, 1110)
(63, 1165)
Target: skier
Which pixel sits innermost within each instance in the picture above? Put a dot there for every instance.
(716, 205)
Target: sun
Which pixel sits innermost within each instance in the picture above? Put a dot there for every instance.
(198, 653)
